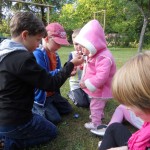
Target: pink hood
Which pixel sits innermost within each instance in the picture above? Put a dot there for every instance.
(92, 37)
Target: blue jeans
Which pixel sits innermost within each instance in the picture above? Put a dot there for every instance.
(37, 131)
(79, 98)
(53, 108)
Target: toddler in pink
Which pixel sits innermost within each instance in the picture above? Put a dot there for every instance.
(99, 69)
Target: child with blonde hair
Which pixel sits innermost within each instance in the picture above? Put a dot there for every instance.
(76, 94)
(98, 71)
(130, 87)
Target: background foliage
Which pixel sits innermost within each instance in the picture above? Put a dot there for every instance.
(124, 18)
(124, 21)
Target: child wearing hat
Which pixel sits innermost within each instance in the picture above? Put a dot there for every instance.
(98, 71)
(51, 104)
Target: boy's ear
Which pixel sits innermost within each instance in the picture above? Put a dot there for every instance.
(46, 38)
(24, 34)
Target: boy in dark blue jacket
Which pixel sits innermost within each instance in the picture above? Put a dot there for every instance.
(51, 104)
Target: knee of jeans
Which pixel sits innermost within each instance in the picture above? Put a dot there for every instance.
(82, 104)
(11, 144)
(54, 132)
(68, 110)
(56, 119)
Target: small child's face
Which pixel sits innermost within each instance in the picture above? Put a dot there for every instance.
(77, 48)
(84, 51)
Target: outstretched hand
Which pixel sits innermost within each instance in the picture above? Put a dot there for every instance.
(78, 60)
(82, 85)
(74, 71)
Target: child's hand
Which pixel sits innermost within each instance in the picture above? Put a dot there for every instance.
(78, 55)
(77, 60)
(81, 67)
(74, 71)
(82, 85)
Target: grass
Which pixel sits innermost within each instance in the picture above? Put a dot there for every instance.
(72, 134)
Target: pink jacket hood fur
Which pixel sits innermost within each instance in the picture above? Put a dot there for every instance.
(100, 67)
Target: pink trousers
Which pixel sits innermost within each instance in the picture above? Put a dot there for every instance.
(97, 110)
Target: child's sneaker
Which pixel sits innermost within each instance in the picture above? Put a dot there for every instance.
(90, 117)
(70, 95)
(90, 125)
(100, 130)
(99, 143)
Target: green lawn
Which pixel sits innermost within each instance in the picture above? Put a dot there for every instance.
(72, 134)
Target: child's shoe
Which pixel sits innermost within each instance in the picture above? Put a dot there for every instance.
(90, 125)
(99, 143)
(70, 95)
(90, 117)
(100, 130)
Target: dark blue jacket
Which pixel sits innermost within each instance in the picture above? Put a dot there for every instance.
(43, 60)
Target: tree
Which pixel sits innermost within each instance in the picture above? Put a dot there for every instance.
(4, 19)
(40, 7)
(122, 16)
(59, 3)
(77, 14)
(80, 12)
(144, 8)
(41, 11)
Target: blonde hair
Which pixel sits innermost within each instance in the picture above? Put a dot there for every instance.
(131, 83)
(75, 33)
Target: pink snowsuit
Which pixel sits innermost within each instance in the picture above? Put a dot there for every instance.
(99, 69)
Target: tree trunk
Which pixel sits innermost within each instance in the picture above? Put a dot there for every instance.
(43, 16)
(145, 22)
(1, 13)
